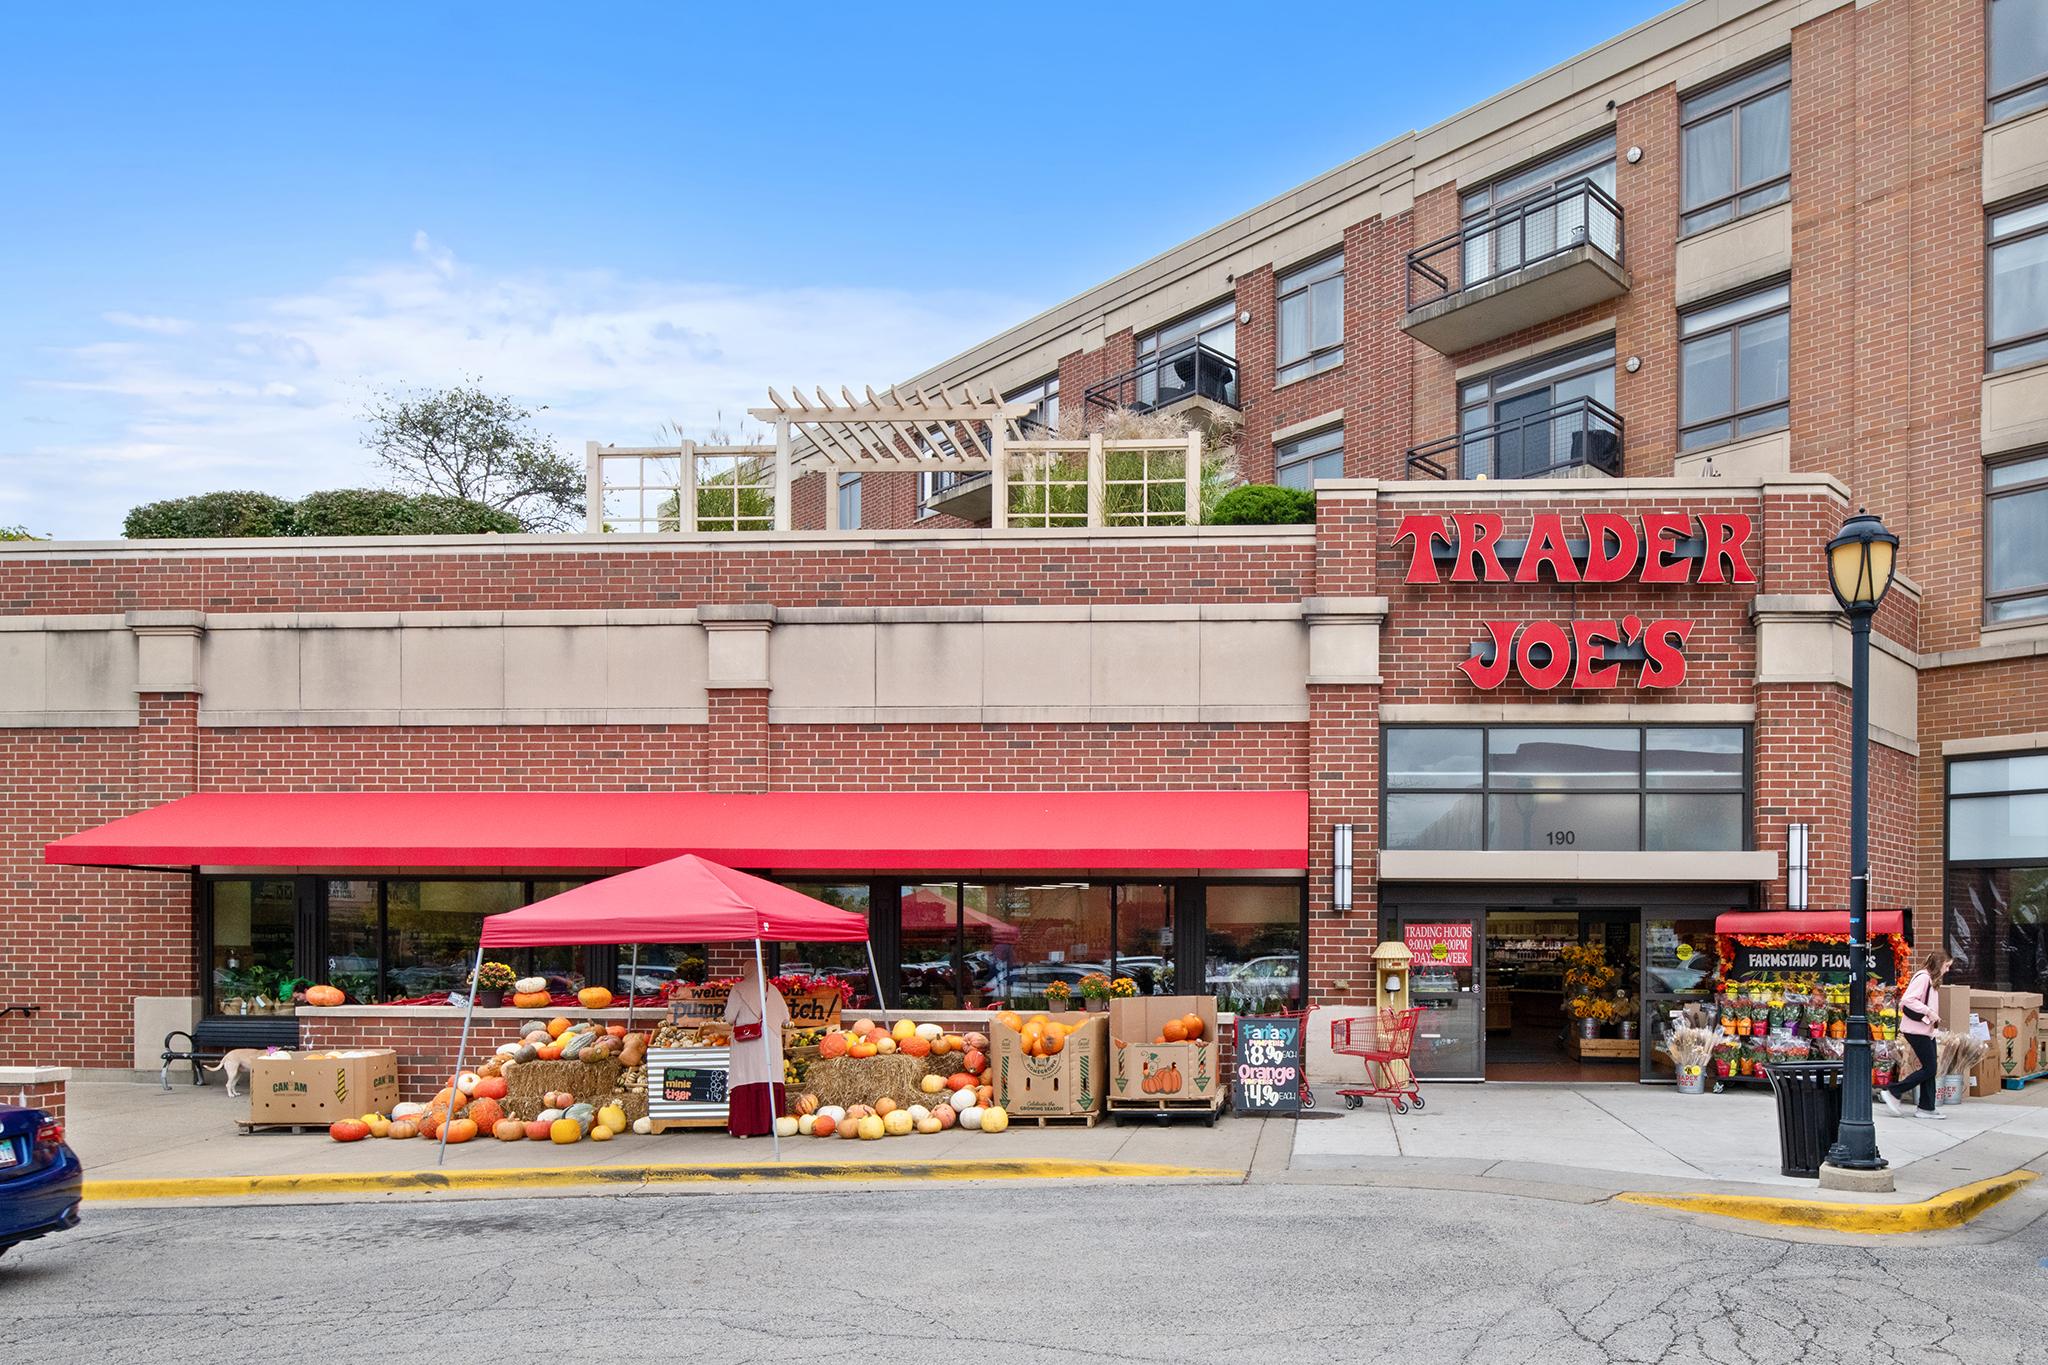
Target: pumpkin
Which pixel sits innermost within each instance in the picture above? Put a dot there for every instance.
(975, 1062)
(528, 1000)
(402, 1129)
(994, 1119)
(449, 1098)
(1011, 1020)
(959, 1080)
(970, 1117)
(928, 1124)
(805, 1124)
(929, 1031)
(914, 1046)
(527, 1052)
(460, 1130)
(897, 1123)
(862, 1048)
(1051, 1044)
(613, 1117)
(557, 1026)
(940, 1047)
(466, 1082)
(863, 1027)
(858, 1112)
(539, 1130)
(833, 1044)
(850, 1127)
(882, 1043)
(527, 985)
(506, 1050)
(955, 1043)
(932, 1085)
(485, 1114)
(576, 1044)
(602, 1134)
(1173, 1031)
(509, 1130)
(632, 1049)
(594, 997)
(832, 1112)
(979, 1040)
(786, 1127)
(407, 1111)
(947, 1116)
(643, 1125)
(551, 1052)
(615, 1030)
(565, 1131)
(325, 996)
(986, 1094)
(348, 1130)
(872, 1128)
(964, 1100)
(379, 1125)
(806, 1103)
(904, 1029)
(822, 1125)
(492, 1088)
(549, 1115)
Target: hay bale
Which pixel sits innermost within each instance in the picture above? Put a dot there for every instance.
(526, 1082)
(863, 1080)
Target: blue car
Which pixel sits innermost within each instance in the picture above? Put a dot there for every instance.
(40, 1177)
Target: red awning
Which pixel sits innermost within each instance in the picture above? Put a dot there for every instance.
(781, 831)
(1811, 922)
(684, 900)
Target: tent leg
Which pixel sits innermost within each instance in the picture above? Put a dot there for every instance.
(461, 1051)
(875, 975)
(632, 987)
(761, 980)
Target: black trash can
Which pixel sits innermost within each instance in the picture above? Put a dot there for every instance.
(1809, 1113)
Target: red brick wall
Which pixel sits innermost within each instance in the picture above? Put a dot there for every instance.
(47, 1096)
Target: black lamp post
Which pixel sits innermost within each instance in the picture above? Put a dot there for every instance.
(1860, 562)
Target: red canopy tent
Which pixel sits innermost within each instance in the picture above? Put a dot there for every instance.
(684, 900)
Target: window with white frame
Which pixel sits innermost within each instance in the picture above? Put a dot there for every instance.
(2016, 540)
(2016, 287)
(849, 501)
(1736, 147)
(735, 492)
(1735, 368)
(1526, 233)
(1300, 462)
(1311, 311)
(2015, 58)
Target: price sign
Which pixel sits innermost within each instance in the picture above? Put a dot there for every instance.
(1268, 1074)
(693, 1085)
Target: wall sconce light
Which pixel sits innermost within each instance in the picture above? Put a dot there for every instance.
(1796, 865)
(1340, 858)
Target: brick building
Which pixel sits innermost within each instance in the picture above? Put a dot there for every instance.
(1694, 296)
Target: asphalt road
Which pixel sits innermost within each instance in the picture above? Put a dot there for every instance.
(1011, 1273)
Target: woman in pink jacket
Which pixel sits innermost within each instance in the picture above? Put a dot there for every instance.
(1919, 1016)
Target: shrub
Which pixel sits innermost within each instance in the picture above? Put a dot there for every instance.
(380, 512)
(1264, 504)
(209, 516)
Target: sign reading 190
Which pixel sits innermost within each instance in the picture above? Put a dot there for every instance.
(1559, 838)
(1588, 653)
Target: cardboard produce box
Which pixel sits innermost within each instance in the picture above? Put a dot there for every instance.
(1068, 1082)
(1142, 1068)
(321, 1087)
(2014, 1018)
(1954, 1004)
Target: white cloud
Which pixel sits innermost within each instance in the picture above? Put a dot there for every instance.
(268, 395)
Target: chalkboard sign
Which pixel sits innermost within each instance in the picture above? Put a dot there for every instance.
(1268, 1077)
(693, 1085)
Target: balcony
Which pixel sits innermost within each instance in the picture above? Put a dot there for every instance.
(1527, 263)
(1186, 373)
(1579, 438)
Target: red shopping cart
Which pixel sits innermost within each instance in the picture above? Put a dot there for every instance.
(1385, 1041)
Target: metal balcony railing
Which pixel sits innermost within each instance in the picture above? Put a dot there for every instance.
(1195, 371)
(1581, 431)
(1516, 235)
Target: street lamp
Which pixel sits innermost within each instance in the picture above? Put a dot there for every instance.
(1860, 561)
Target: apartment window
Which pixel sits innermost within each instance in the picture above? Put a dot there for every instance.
(849, 501)
(1298, 464)
(1312, 319)
(1737, 147)
(1192, 357)
(1592, 788)
(2016, 58)
(1541, 415)
(1997, 877)
(1536, 214)
(2017, 280)
(2016, 540)
(1734, 368)
(1044, 398)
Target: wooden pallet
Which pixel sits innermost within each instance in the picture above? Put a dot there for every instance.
(252, 1126)
(1208, 1110)
(1087, 1120)
(1604, 1049)
(2020, 1082)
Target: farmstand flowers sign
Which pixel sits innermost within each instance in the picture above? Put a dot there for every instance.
(1586, 654)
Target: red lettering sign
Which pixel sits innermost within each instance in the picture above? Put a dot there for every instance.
(1446, 944)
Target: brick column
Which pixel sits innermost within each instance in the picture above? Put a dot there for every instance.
(35, 1087)
(736, 750)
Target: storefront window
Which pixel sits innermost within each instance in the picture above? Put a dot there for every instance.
(848, 961)
(255, 946)
(432, 930)
(1997, 921)
(1254, 962)
(353, 939)
(660, 964)
(1036, 934)
(1144, 937)
(931, 935)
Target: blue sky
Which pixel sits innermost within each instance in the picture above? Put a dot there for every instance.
(229, 225)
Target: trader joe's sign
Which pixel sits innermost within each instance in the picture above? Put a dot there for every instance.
(1585, 654)
(1268, 1079)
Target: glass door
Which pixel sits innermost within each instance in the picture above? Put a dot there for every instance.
(1681, 967)
(1447, 982)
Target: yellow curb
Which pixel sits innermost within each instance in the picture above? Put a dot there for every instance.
(1950, 1210)
(808, 1172)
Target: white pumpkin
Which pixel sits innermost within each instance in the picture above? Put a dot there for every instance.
(918, 1113)
(549, 1115)
(527, 985)
(930, 1031)
(786, 1126)
(834, 1112)
(407, 1111)
(897, 1123)
(508, 1049)
(970, 1117)
(805, 1124)
(466, 1082)
(962, 1101)
(929, 1124)
(643, 1125)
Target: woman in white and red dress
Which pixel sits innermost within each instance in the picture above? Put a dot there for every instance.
(753, 1083)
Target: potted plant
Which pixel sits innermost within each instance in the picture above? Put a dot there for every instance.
(1058, 995)
(1095, 990)
(493, 979)
(1588, 980)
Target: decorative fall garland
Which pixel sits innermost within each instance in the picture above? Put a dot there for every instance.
(1902, 952)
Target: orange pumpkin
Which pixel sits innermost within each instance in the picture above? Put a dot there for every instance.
(974, 1063)
(1051, 1045)
(1192, 1027)
(1173, 1031)
(537, 1130)
(484, 1114)
(959, 1080)
(593, 997)
(509, 1130)
(348, 1130)
(531, 1000)
(864, 1048)
(550, 1053)
(615, 1030)
(832, 1045)
(557, 1027)
(461, 1130)
(1011, 1020)
(492, 1088)
(402, 1129)
(430, 1123)
(824, 1126)
(914, 1046)
(325, 996)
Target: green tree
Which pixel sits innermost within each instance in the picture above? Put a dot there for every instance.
(210, 516)
(464, 442)
(381, 512)
(1264, 504)
(17, 533)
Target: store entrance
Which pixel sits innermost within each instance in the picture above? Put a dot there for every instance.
(1562, 994)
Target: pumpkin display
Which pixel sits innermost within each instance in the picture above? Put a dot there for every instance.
(565, 1131)
(539, 1130)
(833, 1044)
(484, 1114)
(325, 996)
(348, 1130)
(528, 1000)
(402, 1129)
(593, 997)
(994, 1118)
(492, 1088)
(509, 1130)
